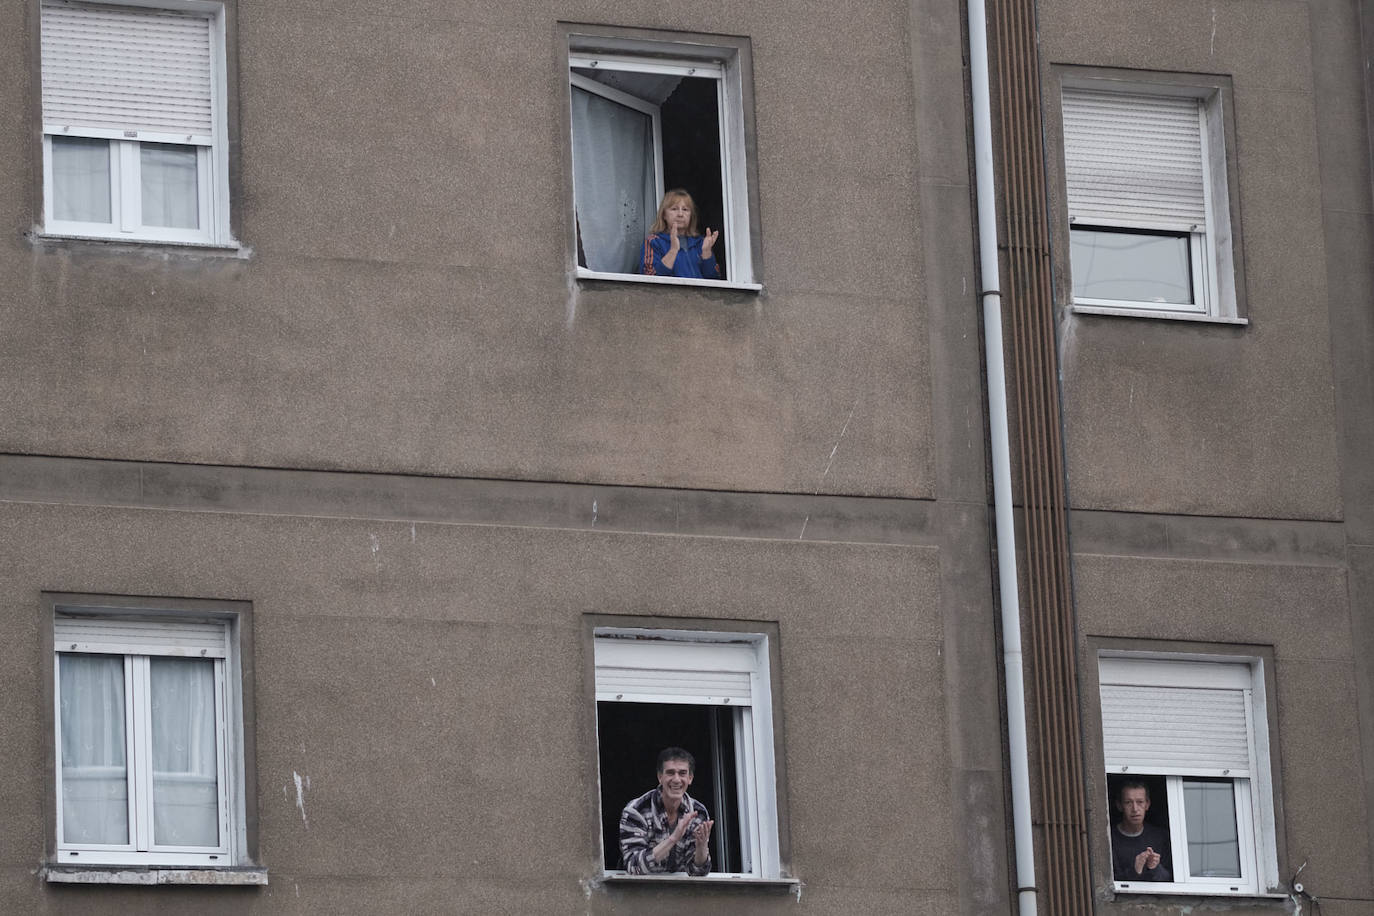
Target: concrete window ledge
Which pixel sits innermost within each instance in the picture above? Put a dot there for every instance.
(788, 884)
(67, 874)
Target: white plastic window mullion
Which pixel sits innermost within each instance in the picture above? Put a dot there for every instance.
(221, 754)
(214, 180)
(48, 202)
(206, 217)
(140, 760)
(128, 198)
(57, 665)
(730, 229)
(746, 777)
(1208, 247)
(656, 120)
(1203, 279)
(1178, 828)
(1245, 829)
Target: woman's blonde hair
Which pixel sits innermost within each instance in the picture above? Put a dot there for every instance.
(672, 197)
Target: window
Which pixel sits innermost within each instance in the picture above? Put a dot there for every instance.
(148, 738)
(1149, 218)
(647, 116)
(1194, 733)
(706, 692)
(134, 122)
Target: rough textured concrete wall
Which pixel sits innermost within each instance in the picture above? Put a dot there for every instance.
(434, 699)
(405, 305)
(1193, 601)
(402, 179)
(1233, 462)
(1171, 416)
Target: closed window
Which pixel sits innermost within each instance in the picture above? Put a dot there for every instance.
(705, 692)
(1149, 220)
(647, 117)
(134, 122)
(1185, 742)
(148, 743)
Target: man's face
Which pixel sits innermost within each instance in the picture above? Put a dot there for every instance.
(674, 779)
(1134, 802)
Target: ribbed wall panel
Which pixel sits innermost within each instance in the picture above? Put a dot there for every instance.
(1063, 878)
(126, 68)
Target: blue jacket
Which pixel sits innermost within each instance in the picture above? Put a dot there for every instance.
(688, 262)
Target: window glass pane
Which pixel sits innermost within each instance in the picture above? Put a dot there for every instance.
(614, 181)
(1213, 836)
(95, 785)
(1131, 266)
(185, 774)
(81, 179)
(170, 195)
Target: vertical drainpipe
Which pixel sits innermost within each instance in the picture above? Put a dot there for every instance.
(1008, 594)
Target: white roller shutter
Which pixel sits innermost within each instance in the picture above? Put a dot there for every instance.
(127, 69)
(1134, 160)
(1177, 730)
(170, 636)
(666, 671)
(1174, 717)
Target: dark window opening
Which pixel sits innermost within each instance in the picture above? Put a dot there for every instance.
(1157, 816)
(691, 153)
(629, 737)
(619, 163)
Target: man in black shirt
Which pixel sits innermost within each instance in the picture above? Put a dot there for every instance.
(1140, 851)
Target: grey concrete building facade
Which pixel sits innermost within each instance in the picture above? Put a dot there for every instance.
(368, 419)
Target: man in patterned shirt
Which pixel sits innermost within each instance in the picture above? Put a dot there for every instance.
(665, 830)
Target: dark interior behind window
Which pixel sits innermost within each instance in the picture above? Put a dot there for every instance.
(629, 737)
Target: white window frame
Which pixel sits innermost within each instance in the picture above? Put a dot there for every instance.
(1211, 261)
(630, 666)
(1251, 786)
(126, 197)
(721, 63)
(137, 637)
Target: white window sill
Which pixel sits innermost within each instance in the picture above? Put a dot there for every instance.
(1126, 312)
(231, 249)
(114, 874)
(585, 274)
(1144, 888)
(620, 877)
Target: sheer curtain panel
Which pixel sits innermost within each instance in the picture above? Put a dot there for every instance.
(613, 180)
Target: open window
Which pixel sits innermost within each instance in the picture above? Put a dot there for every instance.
(1148, 202)
(706, 692)
(1192, 733)
(648, 116)
(148, 740)
(134, 121)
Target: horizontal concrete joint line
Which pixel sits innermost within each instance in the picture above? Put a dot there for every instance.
(812, 518)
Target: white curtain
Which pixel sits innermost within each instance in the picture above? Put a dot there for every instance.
(95, 799)
(185, 784)
(614, 181)
(169, 185)
(81, 179)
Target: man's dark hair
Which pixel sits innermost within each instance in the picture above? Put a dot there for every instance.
(1131, 784)
(677, 753)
